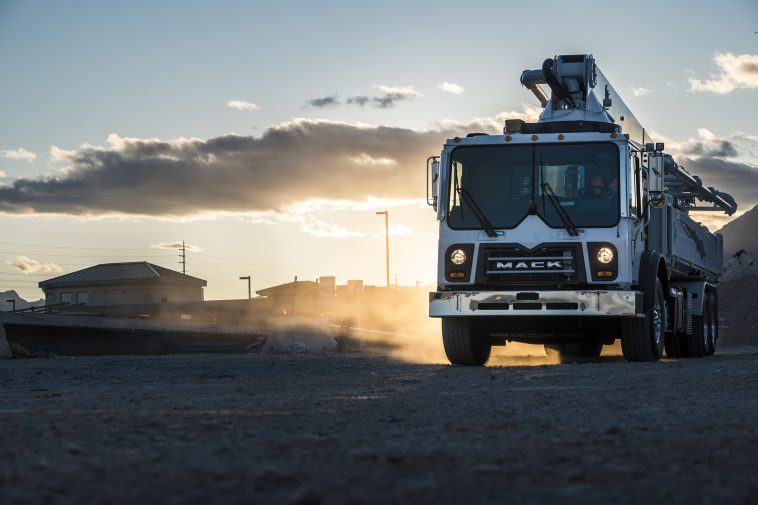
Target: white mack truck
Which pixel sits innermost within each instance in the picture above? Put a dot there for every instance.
(572, 232)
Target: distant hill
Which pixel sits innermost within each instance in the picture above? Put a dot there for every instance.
(737, 310)
(737, 306)
(742, 233)
(5, 305)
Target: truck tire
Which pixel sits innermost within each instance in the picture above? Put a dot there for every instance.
(642, 339)
(573, 351)
(698, 342)
(464, 345)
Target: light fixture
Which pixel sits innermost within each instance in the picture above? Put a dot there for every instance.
(605, 255)
(458, 257)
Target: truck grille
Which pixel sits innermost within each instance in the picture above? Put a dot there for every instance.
(546, 265)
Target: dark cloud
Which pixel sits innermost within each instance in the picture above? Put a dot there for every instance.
(389, 97)
(327, 101)
(713, 149)
(291, 163)
(738, 179)
(359, 100)
(384, 101)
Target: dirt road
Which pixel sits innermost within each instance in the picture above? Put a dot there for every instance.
(365, 429)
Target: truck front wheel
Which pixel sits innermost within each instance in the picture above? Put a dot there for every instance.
(642, 339)
(464, 344)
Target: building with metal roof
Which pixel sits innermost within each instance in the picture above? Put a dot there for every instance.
(298, 297)
(123, 283)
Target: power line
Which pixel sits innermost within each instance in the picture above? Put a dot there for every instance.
(247, 264)
(80, 247)
(235, 271)
(182, 249)
(31, 273)
(91, 255)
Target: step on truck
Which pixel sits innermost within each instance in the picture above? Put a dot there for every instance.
(573, 232)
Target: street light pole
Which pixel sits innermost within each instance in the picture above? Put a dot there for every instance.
(386, 240)
(249, 291)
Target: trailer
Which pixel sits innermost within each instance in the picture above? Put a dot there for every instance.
(573, 232)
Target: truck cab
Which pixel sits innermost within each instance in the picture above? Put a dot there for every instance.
(563, 232)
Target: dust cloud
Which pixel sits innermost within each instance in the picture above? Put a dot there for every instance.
(391, 322)
(395, 322)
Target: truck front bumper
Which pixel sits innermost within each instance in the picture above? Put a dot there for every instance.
(534, 303)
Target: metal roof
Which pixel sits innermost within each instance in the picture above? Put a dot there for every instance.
(108, 273)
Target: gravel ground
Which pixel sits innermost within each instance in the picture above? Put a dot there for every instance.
(361, 428)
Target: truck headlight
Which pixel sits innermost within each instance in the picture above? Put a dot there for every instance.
(458, 257)
(457, 260)
(605, 255)
(604, 261)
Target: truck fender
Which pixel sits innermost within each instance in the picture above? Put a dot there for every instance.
(697, 289)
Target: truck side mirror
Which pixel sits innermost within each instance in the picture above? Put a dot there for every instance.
(655, 173)
(432, 180)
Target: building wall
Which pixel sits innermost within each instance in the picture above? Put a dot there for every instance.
(327, 286)
(125, 294)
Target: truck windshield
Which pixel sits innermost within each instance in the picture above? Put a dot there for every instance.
(507, 182)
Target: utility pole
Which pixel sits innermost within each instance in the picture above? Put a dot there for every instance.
(184, 258)
(386, 240)
(249, 291)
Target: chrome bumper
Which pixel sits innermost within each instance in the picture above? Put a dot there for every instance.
(535, 303)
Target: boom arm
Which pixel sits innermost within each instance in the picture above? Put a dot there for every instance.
(687, 188)
(573, 81)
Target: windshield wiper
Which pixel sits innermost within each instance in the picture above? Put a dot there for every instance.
(480, 215)
(565, 219)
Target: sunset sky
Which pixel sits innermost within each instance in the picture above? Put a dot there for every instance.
(267, 134)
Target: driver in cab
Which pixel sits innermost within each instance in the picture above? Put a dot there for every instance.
(604, 181)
